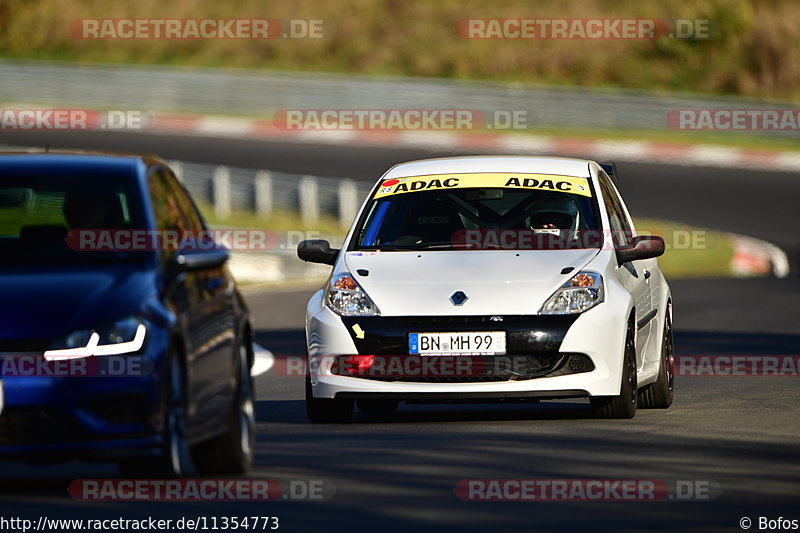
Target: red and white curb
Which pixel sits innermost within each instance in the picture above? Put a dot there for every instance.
(622, 150)
(754, 257)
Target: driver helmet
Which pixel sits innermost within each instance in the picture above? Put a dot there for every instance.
(555, 215)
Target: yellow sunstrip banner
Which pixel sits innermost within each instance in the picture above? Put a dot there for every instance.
(507, 180)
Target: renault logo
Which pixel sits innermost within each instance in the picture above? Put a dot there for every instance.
(458, 298)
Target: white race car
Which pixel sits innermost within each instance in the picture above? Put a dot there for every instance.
(490, 279)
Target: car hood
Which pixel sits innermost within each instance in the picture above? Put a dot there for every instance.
(496, 282)
(46, 303)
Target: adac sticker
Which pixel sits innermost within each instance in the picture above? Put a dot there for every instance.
(507, 180)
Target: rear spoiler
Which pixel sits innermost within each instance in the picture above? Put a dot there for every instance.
(611, 169)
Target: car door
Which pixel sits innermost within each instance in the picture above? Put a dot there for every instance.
(215, 324)
(202, 299)
(633, 275)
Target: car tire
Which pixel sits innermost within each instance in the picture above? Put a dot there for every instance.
(659, 395)
(377, 406)
(327, 410)
(623, 405)
(232, 452)
(175, 460)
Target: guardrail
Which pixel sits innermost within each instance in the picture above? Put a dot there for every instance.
(263, 192)
(258, 93)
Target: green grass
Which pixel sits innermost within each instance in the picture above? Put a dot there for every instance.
(691, 252)
(753, 49)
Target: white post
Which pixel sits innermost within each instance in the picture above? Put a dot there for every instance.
(222, 192)
(263, 189)
(308, 189)
(348, 202)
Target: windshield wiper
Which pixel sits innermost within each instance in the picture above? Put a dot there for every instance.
(435, 246)
(387, 248)
(408, 248)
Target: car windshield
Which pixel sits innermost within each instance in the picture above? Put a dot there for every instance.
(453, 212)
(42, 218)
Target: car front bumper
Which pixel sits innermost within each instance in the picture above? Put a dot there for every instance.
(115, 411)
(597, 334)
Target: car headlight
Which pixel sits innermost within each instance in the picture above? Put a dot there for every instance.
(583, 291)
(117, 338)
(346, 297)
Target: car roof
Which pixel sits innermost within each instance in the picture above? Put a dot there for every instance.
(561, 166)
(94, 161)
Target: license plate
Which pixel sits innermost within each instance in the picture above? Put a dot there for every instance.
(458, 343)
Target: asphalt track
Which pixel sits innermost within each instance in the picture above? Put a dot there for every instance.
(399, 473)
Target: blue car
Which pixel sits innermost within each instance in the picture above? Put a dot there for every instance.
(118, 341)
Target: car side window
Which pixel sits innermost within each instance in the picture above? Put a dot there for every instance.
(626, 216)
(188, 209)
(167, 212)
(621, 229)
(165, 206)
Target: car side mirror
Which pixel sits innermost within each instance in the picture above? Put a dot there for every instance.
(200, 259)
(317, 251)
(643, 247)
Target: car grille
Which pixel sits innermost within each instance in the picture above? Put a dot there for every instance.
(36, 426)
(120, 409)
(526, 335)
(533, 344)
(461, 369)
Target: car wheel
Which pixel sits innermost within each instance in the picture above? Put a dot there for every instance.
(232, 452)
(175, 459)
(326, 410)
(659, 395)
(377, 406)
(624, 405)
